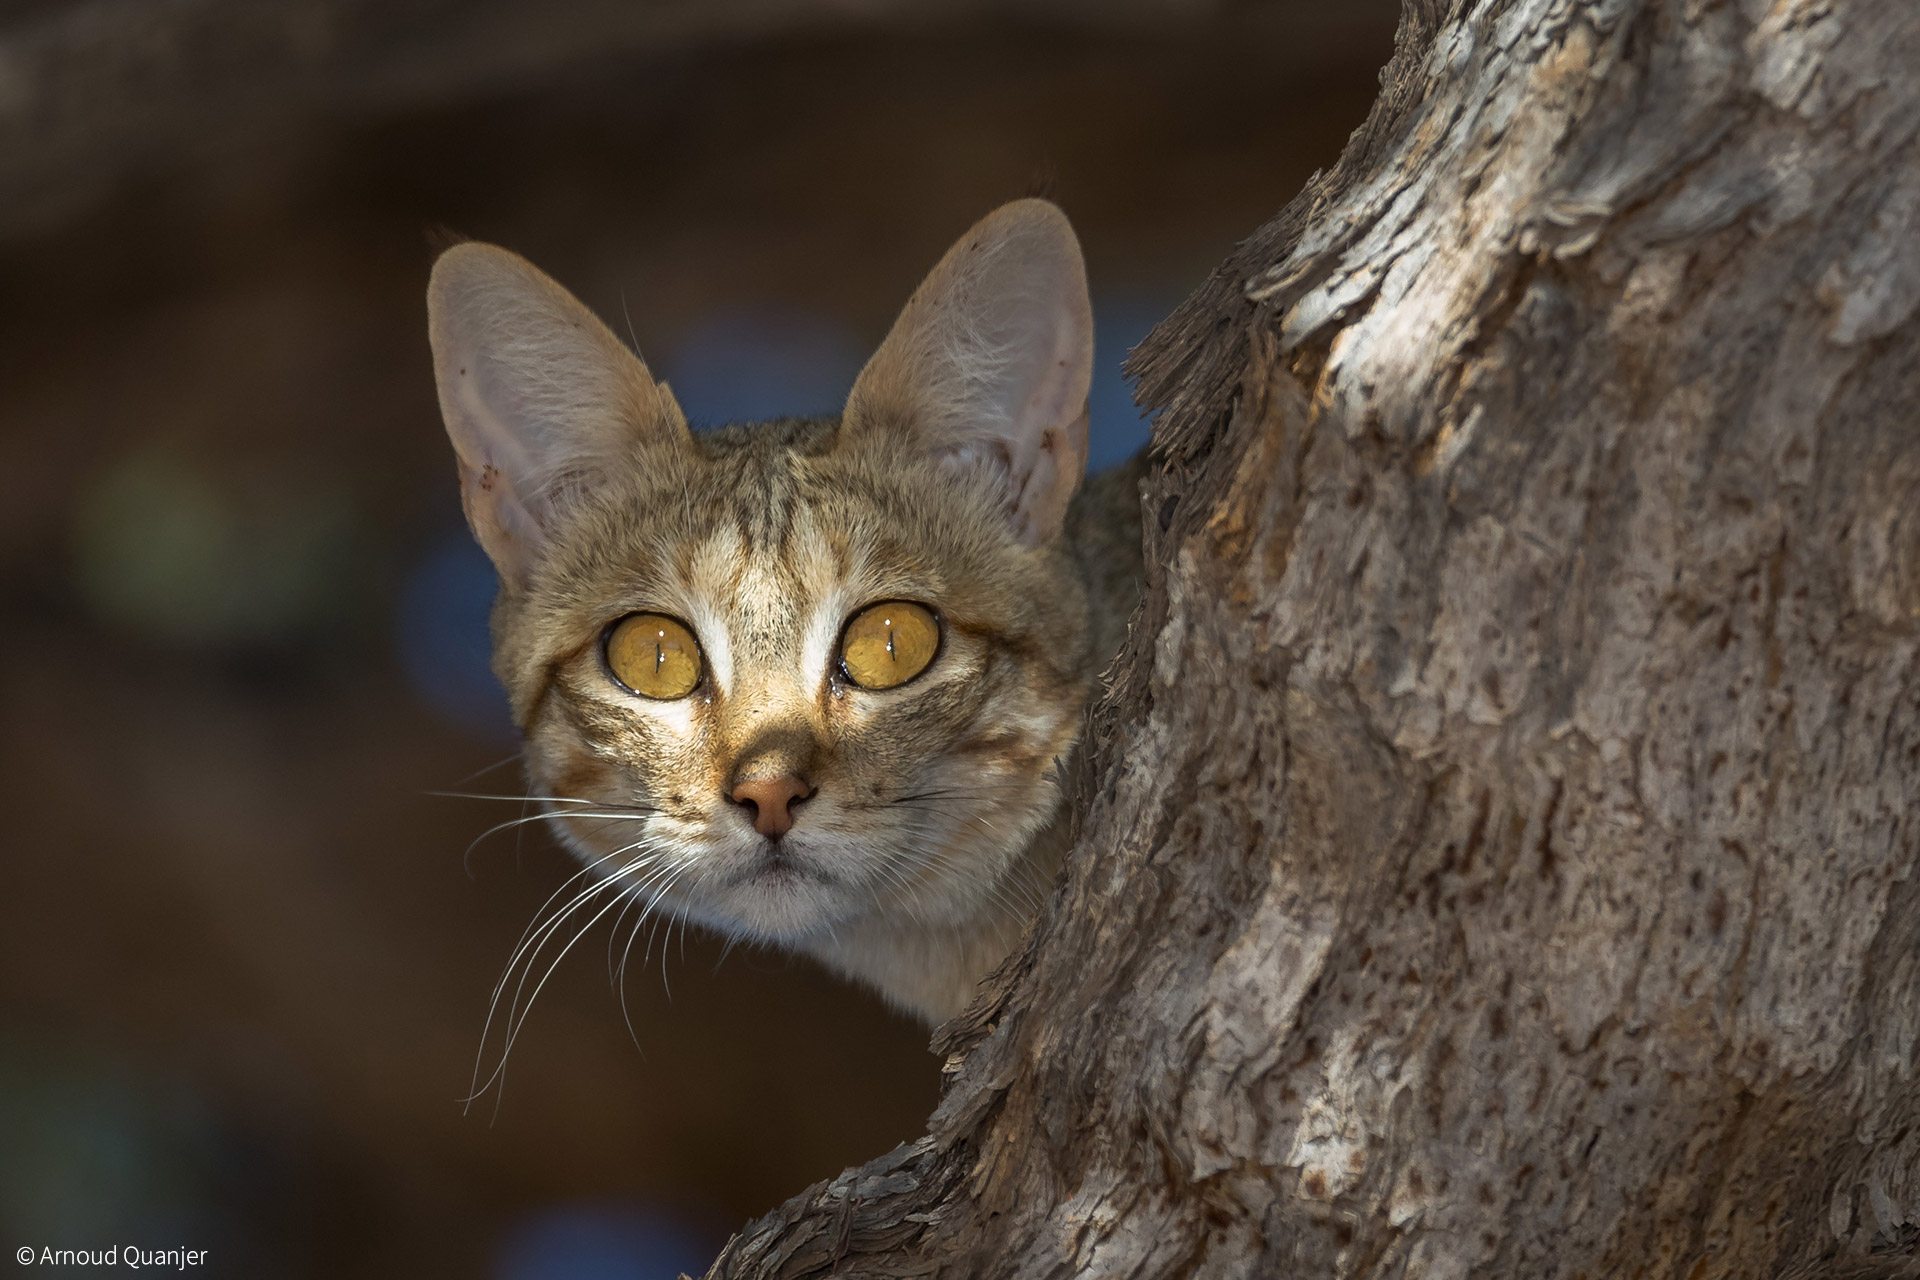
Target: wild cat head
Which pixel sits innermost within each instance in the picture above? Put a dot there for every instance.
(799, 672)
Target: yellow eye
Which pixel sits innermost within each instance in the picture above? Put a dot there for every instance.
(654, 656)
(889, 644)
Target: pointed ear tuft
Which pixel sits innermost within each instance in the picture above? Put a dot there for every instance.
(989, 363)
(538, 396)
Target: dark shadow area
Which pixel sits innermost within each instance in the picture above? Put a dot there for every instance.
(246, 953)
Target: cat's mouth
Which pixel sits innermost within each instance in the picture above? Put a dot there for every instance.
(780, 890)
(776, 862)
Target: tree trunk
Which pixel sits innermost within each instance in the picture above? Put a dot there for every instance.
(1498, 848)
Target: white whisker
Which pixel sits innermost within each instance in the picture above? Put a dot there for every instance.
(533, 940)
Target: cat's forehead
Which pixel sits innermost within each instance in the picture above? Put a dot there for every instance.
(762, 576)
(771, 500)
(758, 523)
(758, 477)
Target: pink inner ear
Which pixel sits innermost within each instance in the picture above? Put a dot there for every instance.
(1035, 498)
(1052, 481)
(991, 360)
(538, 395)
(500, 522)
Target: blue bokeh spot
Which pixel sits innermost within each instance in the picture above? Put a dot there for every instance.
(603, 1242)
(748, 365)
(442, 639)
(1117, 429)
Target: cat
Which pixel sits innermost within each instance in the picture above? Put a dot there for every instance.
(807, 681)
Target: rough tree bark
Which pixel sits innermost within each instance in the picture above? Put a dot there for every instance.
(1499, 851)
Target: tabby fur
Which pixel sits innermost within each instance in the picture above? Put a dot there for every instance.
(935, 821)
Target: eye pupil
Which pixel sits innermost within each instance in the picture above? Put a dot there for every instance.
(888, 645)
(671, 671)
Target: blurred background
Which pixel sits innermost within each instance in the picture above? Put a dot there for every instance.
(245, 952)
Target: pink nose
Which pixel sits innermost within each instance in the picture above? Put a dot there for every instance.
(772, 800)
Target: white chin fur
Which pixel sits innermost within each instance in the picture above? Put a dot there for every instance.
(735, 889)
(826, 877)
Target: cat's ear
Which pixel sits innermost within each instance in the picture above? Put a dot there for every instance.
(538, 396)
(989, 363)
